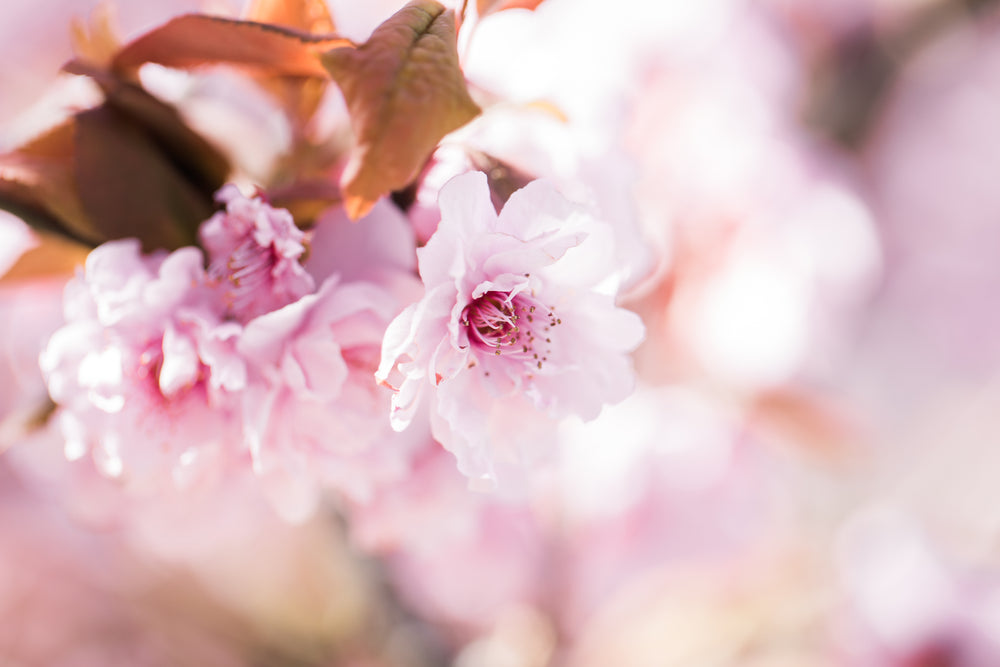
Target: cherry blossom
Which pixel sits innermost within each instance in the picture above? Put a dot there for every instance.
(517, 327)
(160, 358)
(254, 250)
(144, 365)
(311, 412)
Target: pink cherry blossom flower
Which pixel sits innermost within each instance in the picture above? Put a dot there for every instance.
(144, 367)
(312, 416)
(164, 367)
(254, 250)
(517, 327)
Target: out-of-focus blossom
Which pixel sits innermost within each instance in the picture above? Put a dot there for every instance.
(940, 239)
(159, 579)
(763, 614)
(907, 603)
(439, 537)
(925, 369)
(379, 249)
(603, 518)
(516, 329)
(72, 597)
(767, 251)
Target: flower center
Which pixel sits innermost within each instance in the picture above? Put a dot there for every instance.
(513, 326)
(248, 272)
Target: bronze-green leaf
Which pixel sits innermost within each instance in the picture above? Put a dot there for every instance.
(405, 91)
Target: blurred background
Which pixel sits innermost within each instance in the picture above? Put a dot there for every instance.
(806, 474)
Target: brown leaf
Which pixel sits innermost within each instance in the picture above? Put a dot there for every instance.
(503, 178)
(405, 91)
(305, 200)
(484, 7)
(198, 39)
(53, 255)
(129, 187)
(201, 162)
(128, 168)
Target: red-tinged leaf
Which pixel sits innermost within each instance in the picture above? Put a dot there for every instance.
(405, 91)
(38, 184)
(484, 7)
(193, 40)
(41, 193)
(129, 187)
(53, 255)
(312, 16)
(299, 97)
(128, 168)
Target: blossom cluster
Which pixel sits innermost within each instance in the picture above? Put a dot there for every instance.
(171, 362)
